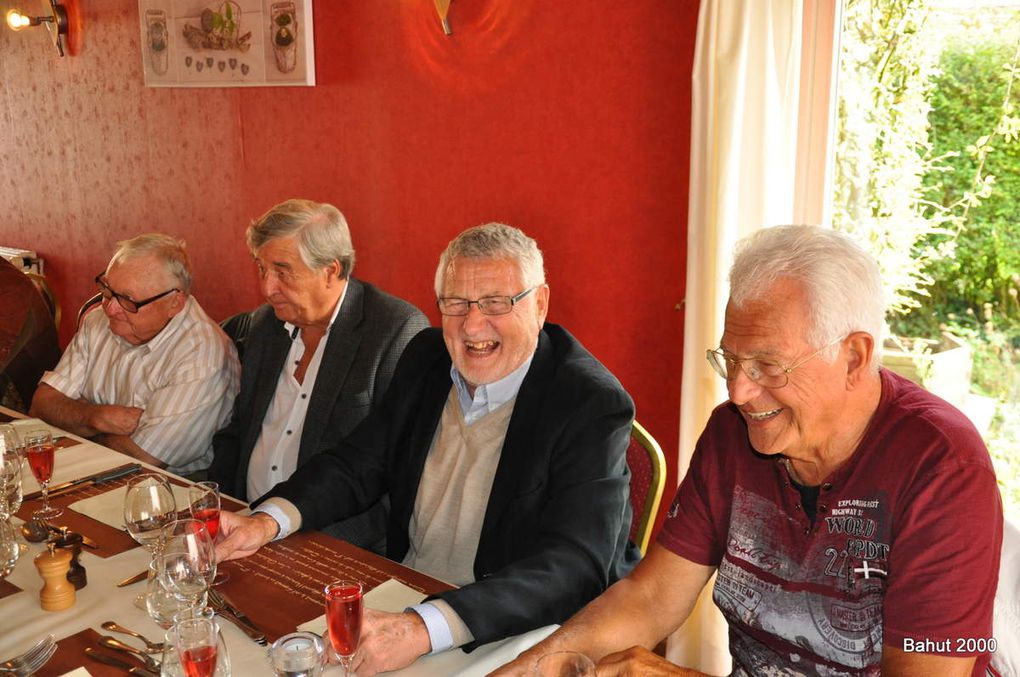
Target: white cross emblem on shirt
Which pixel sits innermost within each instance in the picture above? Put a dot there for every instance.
(869, 571)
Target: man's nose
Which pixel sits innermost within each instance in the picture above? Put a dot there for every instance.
(741, 388)
(475, 318)
(112, 308)
(269, 283)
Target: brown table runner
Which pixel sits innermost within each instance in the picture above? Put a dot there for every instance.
(111, 541)
(7, 588)
(280, 586)
(70, 655)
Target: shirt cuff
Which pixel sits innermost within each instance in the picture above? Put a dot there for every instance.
(439, 630)
(283, 513)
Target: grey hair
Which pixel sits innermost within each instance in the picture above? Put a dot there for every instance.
(319, 229)
(167, 249)
(493, 241)
(843, 283)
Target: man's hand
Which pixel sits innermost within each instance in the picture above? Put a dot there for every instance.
(242, 536)
(113, 418)
(638, 661)
(390, 642)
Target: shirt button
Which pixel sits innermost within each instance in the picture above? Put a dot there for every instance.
(796, 506)
(304, 396)
(823, 508)
(827, 486)
(807, 532)
(274, 468)
(289, 432)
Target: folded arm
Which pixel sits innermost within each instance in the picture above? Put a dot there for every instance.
(81, 417)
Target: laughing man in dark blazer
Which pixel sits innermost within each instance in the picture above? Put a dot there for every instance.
(318, 357)
(502, 443)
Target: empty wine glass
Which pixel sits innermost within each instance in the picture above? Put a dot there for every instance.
(344, 609)
(161, 604)
(564, 664)
(10, 549)
(10, 483)
(188, 561)
(40, 451)
(148, 507)
(204, 498)
(10, 441)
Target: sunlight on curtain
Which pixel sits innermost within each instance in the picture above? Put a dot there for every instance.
(749, 161)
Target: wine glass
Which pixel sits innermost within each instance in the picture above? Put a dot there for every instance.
(10, 481)
(564, 664)
(40, 450)
(197, 643)
(204, 498)
(188, 561)
(10, 549)
(161, 604)
(148, 507)
(344, 607)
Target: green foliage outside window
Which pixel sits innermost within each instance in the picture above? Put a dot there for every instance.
(928, 177)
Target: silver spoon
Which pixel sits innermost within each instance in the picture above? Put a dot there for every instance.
(150, 646)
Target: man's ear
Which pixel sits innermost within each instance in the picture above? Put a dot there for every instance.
(859, 346)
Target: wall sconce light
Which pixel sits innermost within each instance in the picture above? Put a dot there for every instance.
(443, 10)
(62, 22)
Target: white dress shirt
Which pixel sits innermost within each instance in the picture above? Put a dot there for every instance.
(275, 455)
(185, 378)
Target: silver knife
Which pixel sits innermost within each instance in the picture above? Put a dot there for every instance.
(94, 478)
(117, 663)
(228, 611)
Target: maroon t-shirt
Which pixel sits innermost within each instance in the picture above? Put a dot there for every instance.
(904, 549)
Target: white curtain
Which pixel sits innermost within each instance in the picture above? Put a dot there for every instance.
(762, 89)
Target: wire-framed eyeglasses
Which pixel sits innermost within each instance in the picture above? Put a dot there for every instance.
(126, 302)
(766, 373)
(487, 305)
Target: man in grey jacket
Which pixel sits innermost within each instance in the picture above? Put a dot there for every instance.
(318, 356)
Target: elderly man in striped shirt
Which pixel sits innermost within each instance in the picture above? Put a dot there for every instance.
(151, 375)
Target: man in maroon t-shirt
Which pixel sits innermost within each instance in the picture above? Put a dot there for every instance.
(853, 518)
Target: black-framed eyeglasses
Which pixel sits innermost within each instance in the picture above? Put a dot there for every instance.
(126, 302)
(766, 373)
(487, 305)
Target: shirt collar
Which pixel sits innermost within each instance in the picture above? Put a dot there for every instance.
(293, 329)
(489, 396)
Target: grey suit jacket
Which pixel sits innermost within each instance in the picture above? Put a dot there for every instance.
(361, 352)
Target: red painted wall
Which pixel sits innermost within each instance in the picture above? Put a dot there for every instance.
(568, 119)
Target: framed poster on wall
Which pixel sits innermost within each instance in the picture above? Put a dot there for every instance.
(227, 43)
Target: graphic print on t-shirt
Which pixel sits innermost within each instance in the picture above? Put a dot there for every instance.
(822, 592)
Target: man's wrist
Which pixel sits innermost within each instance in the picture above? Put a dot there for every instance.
(270, 527)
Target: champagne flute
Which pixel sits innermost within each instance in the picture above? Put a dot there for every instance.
(197, 646)
(188, 561)
(344, 607)
(40, 450)
(564, 664)
(204, 498)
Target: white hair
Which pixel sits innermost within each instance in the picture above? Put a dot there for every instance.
(493, 241)
(842, 281)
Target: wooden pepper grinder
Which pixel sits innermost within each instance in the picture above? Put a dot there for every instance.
(72, 542)
(57, 592)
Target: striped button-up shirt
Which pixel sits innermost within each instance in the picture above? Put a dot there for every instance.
(185, 379)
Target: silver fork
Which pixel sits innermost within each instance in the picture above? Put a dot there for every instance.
(33, 659)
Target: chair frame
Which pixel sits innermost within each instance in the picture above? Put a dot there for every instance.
(656, 486)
